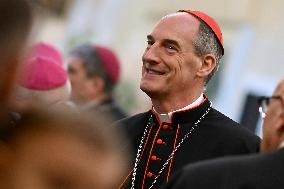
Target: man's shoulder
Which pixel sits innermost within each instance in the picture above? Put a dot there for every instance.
(232, 168)
(225, 123)
(133, 127)
(231, 131)
(228, 163)
(115, 110)
(136, 120)
(220, 117)
(234, 171)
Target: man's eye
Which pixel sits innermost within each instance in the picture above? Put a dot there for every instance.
(171, 48)
(70, 70)
(150, 43)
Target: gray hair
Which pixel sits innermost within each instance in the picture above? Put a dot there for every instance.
(93, 64)
(206, 42)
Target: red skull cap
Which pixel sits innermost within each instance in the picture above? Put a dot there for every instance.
(210, 22)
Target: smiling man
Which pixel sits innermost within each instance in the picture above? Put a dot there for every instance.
(183, 51)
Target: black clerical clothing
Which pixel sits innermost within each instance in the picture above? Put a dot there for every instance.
(258, 171)
(215, 136)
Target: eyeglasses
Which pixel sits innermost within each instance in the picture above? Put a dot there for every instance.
(263, 103)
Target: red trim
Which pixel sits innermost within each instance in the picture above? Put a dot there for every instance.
(170, 166)
(149, 156)
(139, 158)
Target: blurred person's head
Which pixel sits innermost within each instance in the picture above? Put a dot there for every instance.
(93, 71)
(183, 52)
(42, 78)
(47, 50)
(15, 25)
(273, 125)
(63, 151)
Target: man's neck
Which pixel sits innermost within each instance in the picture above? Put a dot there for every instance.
(166, 106)
(166, 117)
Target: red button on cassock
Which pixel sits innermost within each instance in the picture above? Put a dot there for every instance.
(159, 141)
(149, 174)
(165, 127)
(154, 158)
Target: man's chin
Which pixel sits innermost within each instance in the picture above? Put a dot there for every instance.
(267, 147)
(150, 91)
(145, 89)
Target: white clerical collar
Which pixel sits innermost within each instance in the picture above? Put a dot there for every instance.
(167, 116)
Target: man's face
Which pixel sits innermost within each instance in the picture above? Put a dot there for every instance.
(79, 81)
(55, 160)
(169, 62)
(274, 121)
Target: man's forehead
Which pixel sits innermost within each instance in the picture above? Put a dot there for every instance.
(176, 26)
(74, 61)
(179, 20)
(180, 15)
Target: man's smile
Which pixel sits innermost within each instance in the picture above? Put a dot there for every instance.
(154, 71)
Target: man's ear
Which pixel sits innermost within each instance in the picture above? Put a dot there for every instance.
(280, 126)
(209, 62)
(98, 84)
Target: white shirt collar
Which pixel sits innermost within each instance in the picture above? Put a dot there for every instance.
(167, 116)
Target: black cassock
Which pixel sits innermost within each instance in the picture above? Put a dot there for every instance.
(257, 171)
(215, 136)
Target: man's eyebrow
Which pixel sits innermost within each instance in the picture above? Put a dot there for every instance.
(165, 41)
(150, 37)
(170, 41)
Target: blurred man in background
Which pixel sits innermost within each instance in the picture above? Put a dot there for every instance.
(262, 171)
(94, 72)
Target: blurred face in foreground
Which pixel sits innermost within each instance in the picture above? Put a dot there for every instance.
(273, 126)
(48, 160)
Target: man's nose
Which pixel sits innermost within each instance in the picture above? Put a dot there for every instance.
(151, 54)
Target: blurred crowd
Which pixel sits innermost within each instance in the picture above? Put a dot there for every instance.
(45, 139)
